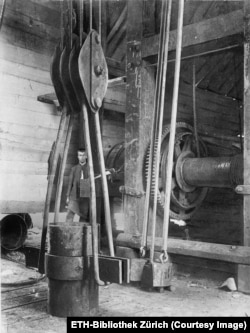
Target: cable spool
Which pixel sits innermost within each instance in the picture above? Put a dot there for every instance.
(183, 203)
(115, 157)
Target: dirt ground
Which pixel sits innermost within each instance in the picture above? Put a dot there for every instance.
(24, 309)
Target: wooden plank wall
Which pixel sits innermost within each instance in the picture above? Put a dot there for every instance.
(27, 127)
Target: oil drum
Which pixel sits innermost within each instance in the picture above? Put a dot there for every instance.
(72, 290)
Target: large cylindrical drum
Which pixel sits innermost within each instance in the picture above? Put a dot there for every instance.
(72, 288)
(14, 230)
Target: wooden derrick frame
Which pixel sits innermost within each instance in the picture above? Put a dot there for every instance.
(225, 26)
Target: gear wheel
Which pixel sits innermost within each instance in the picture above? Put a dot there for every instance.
(183, 204)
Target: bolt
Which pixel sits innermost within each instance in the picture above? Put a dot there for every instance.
(98, 70)
(98, 102)
(97, 39)
(239, 189)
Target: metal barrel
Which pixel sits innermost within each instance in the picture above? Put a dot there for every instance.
(14, 230)
(72, 290)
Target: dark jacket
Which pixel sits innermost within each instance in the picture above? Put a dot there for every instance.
(73, 191)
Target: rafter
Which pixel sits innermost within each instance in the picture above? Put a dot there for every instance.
(197, 33)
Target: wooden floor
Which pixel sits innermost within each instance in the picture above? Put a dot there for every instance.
(24, 308)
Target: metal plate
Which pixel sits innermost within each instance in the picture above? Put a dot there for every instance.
(70, 240)
(125, 267)
(110, 269)
(64, 268)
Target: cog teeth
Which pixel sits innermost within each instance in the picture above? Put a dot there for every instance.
(174, 211)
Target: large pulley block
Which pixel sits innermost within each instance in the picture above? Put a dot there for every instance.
(93, 70)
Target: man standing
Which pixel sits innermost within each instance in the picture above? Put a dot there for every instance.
(76, 204)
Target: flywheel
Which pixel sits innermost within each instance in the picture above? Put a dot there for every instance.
(184, 200)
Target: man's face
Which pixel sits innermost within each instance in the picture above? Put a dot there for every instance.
(82, 156)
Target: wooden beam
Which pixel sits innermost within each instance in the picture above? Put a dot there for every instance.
(115, 43)
(246, 209)
(221, 252)
(115, 98)
(117, 25)
(140, 87)
(197, 33)
(149, 17)
(115, 68)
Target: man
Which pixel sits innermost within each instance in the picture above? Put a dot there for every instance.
(76, 204)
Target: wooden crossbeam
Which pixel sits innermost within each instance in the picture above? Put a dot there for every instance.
(215, 28)
(115, 68)
(115, 98)
(117, 25)
(115, 44)
(221, 252)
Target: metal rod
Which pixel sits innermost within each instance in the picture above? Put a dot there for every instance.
(90, 15)
(152, 142)
(173, 126)
(93, 217)
(100, 19)
(70, 24)
(104, 185)
(195, 114)
(197, 55)
(62, 168)
(51, 178)
(81, 23)
(161, 97)
(61, 25)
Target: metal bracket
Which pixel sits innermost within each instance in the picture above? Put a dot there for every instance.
(131, 191)
(243, 189)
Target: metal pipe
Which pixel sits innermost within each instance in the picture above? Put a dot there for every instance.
(195, 113)
(161, 96)
(104, 185)
(51, 178)
(226, 171)
(93, 217)
(201, 54)
(62, 168)
(173, 126)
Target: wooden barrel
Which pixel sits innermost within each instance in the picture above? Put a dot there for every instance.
(72, 290)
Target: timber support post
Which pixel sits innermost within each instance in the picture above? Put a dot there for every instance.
(243, 272)
(139, 108)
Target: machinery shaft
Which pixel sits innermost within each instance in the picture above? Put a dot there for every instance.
(226, 171)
